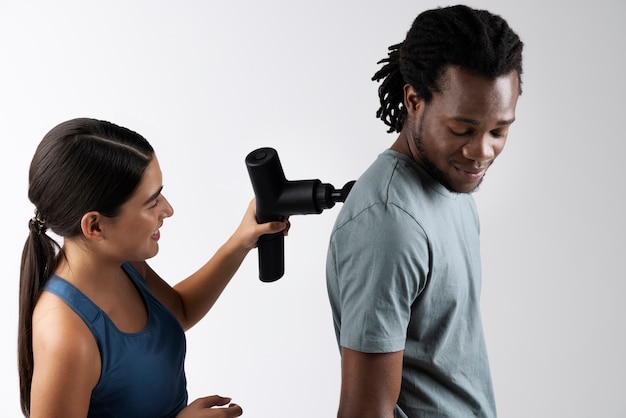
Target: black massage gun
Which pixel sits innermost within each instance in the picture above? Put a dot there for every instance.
(276, 198)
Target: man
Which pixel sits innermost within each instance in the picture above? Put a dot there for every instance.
(403, 268)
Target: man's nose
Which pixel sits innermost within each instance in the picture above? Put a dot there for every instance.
(480, 149)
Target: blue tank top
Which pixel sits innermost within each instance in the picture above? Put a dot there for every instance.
(143, 373)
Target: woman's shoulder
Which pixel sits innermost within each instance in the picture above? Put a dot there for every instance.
(59, 331)
(66, 359)
(63, 345)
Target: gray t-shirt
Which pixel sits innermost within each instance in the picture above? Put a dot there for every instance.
(403, 273)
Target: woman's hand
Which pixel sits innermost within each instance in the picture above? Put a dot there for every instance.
(206, 408)
(249, 231)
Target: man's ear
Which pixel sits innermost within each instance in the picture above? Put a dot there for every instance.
(412, 101)
(91, 225)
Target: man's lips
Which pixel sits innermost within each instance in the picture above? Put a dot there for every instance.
(472, 174)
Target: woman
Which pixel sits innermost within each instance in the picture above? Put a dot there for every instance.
(100, 333)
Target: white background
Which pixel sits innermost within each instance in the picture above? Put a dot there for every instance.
(207, 82)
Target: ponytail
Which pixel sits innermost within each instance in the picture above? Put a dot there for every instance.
(38, 262)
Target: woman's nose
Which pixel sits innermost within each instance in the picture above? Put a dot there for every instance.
(168, 209)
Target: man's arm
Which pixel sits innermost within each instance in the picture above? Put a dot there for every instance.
(370, 384)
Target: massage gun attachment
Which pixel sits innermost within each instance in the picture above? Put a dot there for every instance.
(277, 197)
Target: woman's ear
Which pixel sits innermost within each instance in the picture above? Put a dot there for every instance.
(412, 101)
(91, 225)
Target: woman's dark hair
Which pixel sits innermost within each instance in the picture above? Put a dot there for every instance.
(475, 40)
(81, 165)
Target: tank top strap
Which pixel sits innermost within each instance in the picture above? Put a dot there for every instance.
(84, 307)
(134, 275)
(139, 282)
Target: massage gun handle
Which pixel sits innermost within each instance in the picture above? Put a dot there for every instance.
(267, 177)
(271, 249)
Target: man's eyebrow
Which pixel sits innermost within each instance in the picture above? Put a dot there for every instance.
(476, 123)
(506, 122)
(154, 196)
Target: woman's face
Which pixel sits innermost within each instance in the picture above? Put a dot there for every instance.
(133, 235)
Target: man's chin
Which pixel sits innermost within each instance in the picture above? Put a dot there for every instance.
(460, 187)
(466, 188)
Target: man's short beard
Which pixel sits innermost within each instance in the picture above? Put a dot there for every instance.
(432, 169)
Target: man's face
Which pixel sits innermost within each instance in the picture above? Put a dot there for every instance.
(459, 134)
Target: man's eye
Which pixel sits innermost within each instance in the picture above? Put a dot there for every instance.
(460, 133)
(499, 134)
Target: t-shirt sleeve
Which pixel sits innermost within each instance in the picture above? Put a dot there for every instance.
(379, 265)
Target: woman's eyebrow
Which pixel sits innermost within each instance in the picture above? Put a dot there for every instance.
(154, 196)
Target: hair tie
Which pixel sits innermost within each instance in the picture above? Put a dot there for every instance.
(37, 223)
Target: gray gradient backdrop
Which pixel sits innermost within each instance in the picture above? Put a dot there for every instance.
(207, 82)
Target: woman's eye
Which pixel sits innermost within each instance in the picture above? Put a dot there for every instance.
(155, 204)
